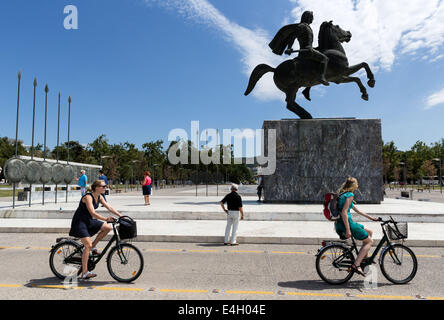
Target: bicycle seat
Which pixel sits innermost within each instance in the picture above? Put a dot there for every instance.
(66, 238)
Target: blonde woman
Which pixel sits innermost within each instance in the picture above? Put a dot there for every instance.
(86, 222)
(346, 227)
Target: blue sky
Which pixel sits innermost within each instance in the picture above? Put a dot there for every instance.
(136, 69)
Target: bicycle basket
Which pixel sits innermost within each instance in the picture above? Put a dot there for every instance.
(398, 231)
(127, 228)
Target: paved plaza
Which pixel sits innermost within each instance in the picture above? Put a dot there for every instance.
(178, 215)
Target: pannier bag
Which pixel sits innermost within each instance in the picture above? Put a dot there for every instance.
(331, 210)
(127, 228)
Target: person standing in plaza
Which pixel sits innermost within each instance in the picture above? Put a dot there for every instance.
(82, 182)
(260, 187)
(234, 213)
(146, 187)
(103, 177)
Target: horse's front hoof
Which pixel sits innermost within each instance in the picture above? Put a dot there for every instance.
(307, 96)
(365, 96)
(371, 83)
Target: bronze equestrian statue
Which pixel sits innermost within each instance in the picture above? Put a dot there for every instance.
(313, 66)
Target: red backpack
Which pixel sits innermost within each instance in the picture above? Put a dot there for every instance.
(331, 210)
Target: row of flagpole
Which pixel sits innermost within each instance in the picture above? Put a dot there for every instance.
(44, 143)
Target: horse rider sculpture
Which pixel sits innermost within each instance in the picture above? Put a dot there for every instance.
(327, 63)
(302, 31)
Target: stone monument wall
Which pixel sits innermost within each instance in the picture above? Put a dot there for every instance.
(315, 156)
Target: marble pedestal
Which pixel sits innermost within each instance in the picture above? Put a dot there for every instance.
(315, 156)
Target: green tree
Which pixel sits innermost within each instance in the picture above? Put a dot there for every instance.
(391, 158)
(414, 158)
(98, 148)
(428, 169)
(111, 168)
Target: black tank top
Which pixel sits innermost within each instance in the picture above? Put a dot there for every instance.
(82, 211)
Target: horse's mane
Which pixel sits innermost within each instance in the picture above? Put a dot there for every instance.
(323, 34)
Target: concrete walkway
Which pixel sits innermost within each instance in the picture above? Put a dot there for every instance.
(187, 218)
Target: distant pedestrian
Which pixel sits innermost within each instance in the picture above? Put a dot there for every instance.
(105, 179)
(234, 213)
(260, 187)
(146, 187)
(82, 182)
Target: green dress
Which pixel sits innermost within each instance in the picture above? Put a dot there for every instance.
(356, 229)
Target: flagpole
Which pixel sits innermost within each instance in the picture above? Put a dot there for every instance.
(44, 138)
(67, 143)
(16, 133)
(32, 144)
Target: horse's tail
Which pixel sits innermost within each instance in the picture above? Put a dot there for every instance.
(257, 73)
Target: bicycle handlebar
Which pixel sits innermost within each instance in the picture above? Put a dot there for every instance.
(384, 222)
(117, 220)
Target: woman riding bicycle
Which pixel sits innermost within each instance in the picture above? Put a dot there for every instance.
(86, 223)
(346, 227)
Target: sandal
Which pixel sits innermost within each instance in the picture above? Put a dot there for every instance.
(357, 270)
(88, 275)
(95, 251)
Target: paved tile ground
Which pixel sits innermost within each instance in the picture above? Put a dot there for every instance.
(178, 215)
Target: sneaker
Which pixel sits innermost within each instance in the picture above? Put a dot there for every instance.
(88, 275)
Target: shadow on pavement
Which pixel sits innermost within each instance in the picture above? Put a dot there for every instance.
(244, 202)
(135, 205)
(198, 203)
(319, 285)
(212, 245)
(56, 283)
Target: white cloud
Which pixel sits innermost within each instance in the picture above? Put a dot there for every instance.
(382, 30)
(252, 44)
(435, 99)
(437, 58)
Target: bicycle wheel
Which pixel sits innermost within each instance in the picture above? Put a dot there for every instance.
(399, 264)
(333, 263)
(125, 262)
(57, 263)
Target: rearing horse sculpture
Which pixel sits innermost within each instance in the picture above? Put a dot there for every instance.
(293, 74)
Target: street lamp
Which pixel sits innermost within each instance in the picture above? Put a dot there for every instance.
(440, 175)
(101, 159)
(404, 177)
(132, 171)
(154, 165)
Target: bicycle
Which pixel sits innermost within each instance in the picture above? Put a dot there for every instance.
(124, 262)
(398, 263)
